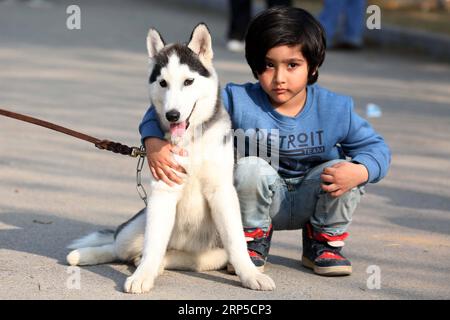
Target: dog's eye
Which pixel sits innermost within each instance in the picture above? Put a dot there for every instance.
(163, 83)
(188, 82)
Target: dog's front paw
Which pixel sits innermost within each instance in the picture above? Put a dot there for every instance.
(138, 284)
(258, 281)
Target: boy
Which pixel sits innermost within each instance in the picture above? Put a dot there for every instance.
(314, 187)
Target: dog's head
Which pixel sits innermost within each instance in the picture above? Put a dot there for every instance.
(182, 80)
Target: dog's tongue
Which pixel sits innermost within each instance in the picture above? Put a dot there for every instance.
(177, 129)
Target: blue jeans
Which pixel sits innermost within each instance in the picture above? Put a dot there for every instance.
(266, 198)
(353, 11)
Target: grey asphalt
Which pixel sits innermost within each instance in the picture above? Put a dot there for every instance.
(54, 188)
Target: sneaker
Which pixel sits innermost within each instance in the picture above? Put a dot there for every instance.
(258, 246)
(321, 253)
(236, 45)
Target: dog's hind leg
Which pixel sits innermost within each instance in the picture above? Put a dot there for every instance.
(92, 255)
(137, 260)
(214, 259)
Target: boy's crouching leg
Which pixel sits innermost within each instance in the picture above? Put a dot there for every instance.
(334, 215)
(254, 179)
(324, 235)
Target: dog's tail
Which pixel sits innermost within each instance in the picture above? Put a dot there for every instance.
(95, 248)
(94, 239)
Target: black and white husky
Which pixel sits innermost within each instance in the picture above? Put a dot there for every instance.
(196, 225)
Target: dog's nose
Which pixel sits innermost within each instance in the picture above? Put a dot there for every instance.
(172, 115)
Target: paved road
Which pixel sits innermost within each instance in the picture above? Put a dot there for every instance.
(54, 188)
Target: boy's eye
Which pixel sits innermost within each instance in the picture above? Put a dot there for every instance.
(269, 65)
(292, 65)
(188, 82)
(163, 83)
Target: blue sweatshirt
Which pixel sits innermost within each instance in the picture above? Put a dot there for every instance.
(327, 128)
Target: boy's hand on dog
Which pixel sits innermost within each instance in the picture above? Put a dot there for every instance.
(161, 162)
(342, 177)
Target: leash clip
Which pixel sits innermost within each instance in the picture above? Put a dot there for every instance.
(137, 152)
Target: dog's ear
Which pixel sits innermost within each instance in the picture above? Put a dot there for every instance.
(201, 43)
(154, 42)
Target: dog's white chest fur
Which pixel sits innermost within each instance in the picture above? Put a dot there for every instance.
(194, 229)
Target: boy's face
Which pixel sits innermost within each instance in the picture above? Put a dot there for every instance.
(285, 77)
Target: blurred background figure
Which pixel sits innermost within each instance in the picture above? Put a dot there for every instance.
(240, 14)
(343, 21)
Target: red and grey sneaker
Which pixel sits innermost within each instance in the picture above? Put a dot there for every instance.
(321, 253)
(258, 246)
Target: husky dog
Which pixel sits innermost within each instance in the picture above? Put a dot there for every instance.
(196, 225)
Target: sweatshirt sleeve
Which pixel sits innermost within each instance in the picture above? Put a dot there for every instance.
(149, 126)
(366, 147)
(227, 98)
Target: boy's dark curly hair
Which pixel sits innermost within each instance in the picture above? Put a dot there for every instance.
(285, 26)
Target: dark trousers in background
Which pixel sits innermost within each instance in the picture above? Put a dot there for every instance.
(240, 15)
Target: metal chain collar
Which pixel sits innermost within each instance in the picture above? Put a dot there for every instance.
(139, 187)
